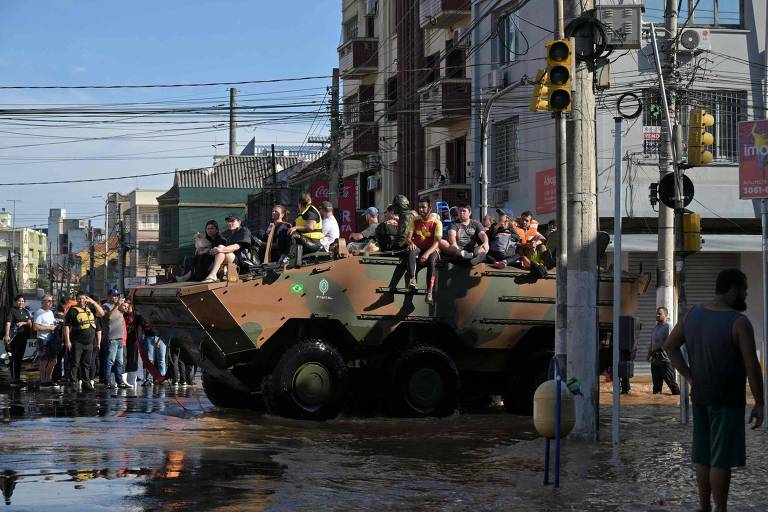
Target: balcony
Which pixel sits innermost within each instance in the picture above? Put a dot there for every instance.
(358, 57)
(443, 13)
(454, 194)
(359, 141)
(445, 102)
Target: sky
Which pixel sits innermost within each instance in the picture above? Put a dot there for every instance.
(90, 42)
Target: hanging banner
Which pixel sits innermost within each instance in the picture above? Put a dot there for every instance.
(753, 159)
(345, 210)
(546, 191)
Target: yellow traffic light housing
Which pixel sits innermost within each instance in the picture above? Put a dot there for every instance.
(699, 138)
(540, 94)
(692, 232)
(559, 74)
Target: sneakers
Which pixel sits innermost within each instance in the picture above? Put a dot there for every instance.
(428, 299)
(123, 385)
(542, 270)
(478, 259)
(500, 265)
(111, 386)
(88, 385)
(412, 283)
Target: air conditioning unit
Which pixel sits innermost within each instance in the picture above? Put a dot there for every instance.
(374, 162)
(500, 196)
(462, 38)
(373, 183)
(695, 40)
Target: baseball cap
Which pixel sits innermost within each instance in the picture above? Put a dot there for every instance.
(326, 205)
(372, 210)
(232, 216)
(505, 211)
(113, 292)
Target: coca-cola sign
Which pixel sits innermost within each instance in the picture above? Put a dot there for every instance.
(345, 210)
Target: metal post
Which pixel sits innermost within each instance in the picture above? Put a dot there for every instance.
(616, 287)
(335, 166)
(561, 310)
(764, 344)
(232, 121)
(582, 244)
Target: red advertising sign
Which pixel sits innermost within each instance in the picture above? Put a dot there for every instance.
(546, 191)
(753, 160)
(345, 210)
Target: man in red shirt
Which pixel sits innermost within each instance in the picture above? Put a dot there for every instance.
(426, 233)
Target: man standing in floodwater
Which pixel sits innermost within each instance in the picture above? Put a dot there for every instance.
(721, 350)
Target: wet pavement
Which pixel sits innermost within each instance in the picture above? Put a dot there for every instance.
(169, 449)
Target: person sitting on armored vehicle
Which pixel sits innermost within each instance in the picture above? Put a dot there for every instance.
(359, 241)
(532, 243)
(402, 208)
(386, 231)
(307, 228)
(423, 244)
(203, 259)
(467, 239)
(281, 241)
(330, 229)
(453, 219)
(502, 241)
(235, 249)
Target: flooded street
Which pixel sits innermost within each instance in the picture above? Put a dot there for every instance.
(171, 450)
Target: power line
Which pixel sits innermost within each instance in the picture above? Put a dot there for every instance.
(165, 86)
(87, 180)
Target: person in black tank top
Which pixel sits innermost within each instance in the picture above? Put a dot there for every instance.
(721, 349)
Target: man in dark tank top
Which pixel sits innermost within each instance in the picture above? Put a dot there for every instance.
(722, 357)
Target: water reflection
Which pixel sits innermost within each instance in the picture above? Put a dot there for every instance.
(8, 483)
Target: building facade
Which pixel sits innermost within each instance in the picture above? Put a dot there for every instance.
(724, 74)
(29, 246)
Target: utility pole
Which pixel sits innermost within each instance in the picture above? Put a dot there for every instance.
(232, 122)
(69, 269)
(274, 179)
(147, 264)
(582, 234)
(13, 235)
(334, 179)
(120, 251)
(561, 158)
(91, 256)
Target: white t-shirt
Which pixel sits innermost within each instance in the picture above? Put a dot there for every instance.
(331, 232)
(44, 317)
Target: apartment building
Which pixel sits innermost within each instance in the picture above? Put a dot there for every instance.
(406, 98)
(29, 246)
(724, 71)
(141, 220)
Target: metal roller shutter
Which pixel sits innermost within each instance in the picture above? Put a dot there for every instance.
(701, 270)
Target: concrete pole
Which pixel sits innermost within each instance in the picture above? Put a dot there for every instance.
(334, 176)
(561, 315)
(232, 121)
(582, 244)
(616, 411)
(91, 256)
(120, 251)
(477, 141)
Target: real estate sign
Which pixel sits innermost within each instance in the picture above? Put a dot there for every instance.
(753, 159)
(546, 191)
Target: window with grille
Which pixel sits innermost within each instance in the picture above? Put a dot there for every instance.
(505, 164)
(350, 29)
(351, 110)
(697, 13)
(508, 39)
(149, 221)
(727, 107)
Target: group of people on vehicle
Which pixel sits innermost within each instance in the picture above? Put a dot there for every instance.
(420, 237)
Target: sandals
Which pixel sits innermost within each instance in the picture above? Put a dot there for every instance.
(210, 280)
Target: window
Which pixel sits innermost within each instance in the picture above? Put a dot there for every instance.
(505, 165)
(508, 39)
(392, 99)
(456, 160)
(370, 24)
(149, 221)
(350, 29)
(367, 105)
(727, 107)
(351, 110)
(715, 13)
(432, 65)
(455, 61)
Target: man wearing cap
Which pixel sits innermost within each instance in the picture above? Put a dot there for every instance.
(238, 239)
(359, 241)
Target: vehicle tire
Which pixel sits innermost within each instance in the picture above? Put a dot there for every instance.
(423, 381)
(222, 395)
(522, 384)
(310, 381)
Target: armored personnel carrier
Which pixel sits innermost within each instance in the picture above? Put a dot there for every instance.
(306, 342)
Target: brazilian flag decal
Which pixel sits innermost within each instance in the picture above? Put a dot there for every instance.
(297, 288)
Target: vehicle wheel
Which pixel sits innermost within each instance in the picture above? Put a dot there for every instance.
(310, 381)
(222, 395)
(423, 381)
(522, 384)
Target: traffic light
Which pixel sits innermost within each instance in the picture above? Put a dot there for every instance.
(699, 138)
(559, 74)
(692, 232)
(540, 94)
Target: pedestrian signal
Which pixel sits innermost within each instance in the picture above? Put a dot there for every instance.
(692, 232)
(699, 138)
(559, 74)
(540, 94)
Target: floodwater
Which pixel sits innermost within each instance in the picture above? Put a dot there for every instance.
(171, 450)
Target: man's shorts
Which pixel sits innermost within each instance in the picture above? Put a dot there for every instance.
(718, 436)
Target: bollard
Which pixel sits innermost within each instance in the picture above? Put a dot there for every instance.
(545, 406)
